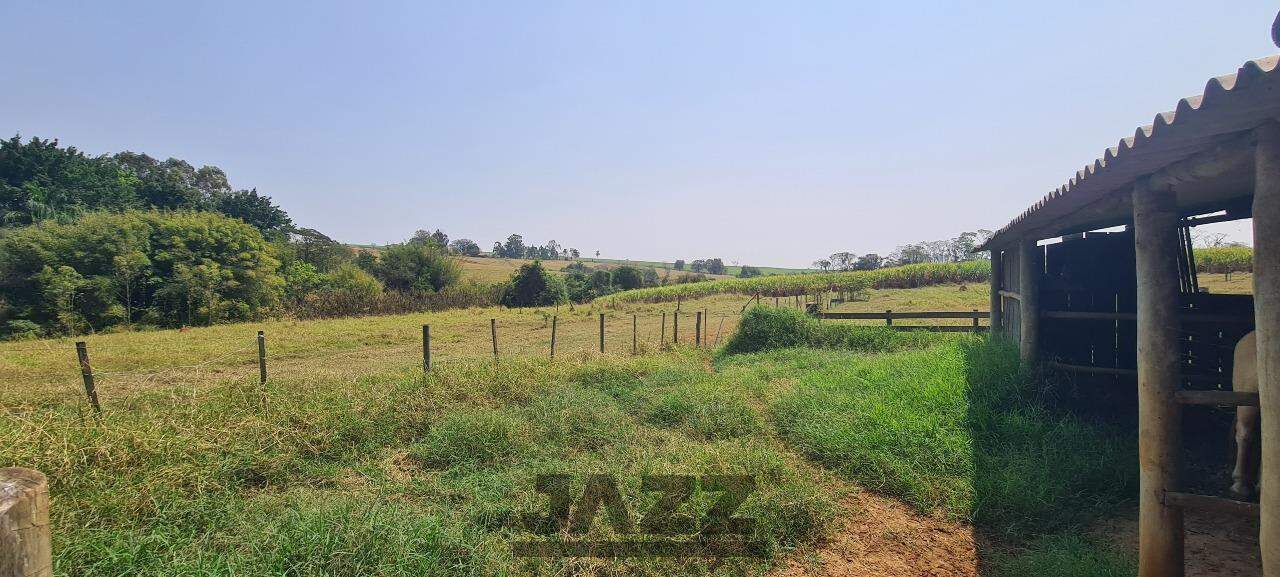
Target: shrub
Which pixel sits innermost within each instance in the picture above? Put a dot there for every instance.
(765, 328)
(532, 286)
(422, 267)
(351, 281)
(331, 304)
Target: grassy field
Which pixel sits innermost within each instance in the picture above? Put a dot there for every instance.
(1240, 283)
(46, 372)
(349, 462)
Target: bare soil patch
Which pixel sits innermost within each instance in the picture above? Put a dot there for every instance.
(1217, 545)
(879, 536)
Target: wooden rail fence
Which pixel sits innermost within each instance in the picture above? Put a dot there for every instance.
(889, 316)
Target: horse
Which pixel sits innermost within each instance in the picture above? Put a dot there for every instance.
(1244, 379)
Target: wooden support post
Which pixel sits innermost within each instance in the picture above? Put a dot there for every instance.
(675, 326)
(997, 303)
(888, 318)
(86, 372)
(426, 349)
(553, 336)
(1029, 272)
(493, 336)
(635, 327)
(775, 302)
(262, 358)
(25, 541)
(1160, 530)
(662, 334)
(975, 320)
(602, 332)
(1266, 302)
(697, 329)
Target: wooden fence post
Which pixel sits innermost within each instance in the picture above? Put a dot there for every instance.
(493, 335)
(662, 334)
(553, 336)
(675, 326)
(86, 372)
(634, 326)
(262, 358)
(888, 318)
(25, 540)
(975, 320)
(426, 349)
(697, 329)
(601, 332)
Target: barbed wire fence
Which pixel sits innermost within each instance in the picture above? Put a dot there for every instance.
(547, 336)
(615, 333)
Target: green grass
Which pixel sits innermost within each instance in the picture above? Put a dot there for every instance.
(953, 427)
(764, 328)
(377, 471)
(909, 276)
(1066, 556)
(390, 475)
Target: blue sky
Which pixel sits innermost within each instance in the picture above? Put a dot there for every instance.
(762, 133)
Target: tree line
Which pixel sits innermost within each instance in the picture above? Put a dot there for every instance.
(958, 249)
(91, 243)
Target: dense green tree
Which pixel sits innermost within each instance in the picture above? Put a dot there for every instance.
(532, 285)
(650, 276)
(679, 264)
(465, 247)
(746, 271)
(514, 247)
(155, 268)
(627, 278)
(255, 210)
(312, 246)
(40, 179)
(869, 261)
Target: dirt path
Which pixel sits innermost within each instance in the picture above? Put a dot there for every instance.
(879, 536)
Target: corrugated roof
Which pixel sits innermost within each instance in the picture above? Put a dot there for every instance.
(1229, 104)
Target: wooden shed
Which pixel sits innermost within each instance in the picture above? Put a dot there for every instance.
(1118, 296)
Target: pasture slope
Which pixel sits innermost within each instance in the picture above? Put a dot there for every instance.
(349, 462)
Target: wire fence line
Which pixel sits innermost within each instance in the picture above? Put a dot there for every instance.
(611, 333)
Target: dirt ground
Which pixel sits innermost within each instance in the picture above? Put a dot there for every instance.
(1217, 545)
(883, 537)
(879, 536)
